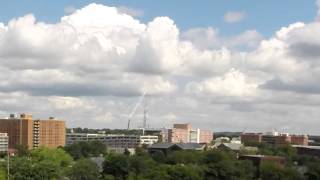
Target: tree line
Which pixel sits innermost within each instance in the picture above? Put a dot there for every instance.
(75, 162)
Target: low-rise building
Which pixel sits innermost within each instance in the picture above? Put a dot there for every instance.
(283, 139)
(113, 140)
(299, 140)
(83, 137)
(149, 140)
(308, 150)
(251, 137)
(269, 139)
(166, 148)
(229, 146)
(4, 143)
(274, 138)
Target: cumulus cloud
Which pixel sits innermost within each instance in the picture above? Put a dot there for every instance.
(233, 83)
(158, 51)
(234, 16)
(209, 38)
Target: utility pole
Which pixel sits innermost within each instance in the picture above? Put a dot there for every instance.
(8, 161)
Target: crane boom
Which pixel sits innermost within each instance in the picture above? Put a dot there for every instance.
(135, 109)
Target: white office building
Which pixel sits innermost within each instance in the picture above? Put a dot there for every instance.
(112, 140)
(83, 137)
(3, 142)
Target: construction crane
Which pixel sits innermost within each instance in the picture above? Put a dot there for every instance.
(135, 109)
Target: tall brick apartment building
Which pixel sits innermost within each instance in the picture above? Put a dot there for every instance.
(25, 131)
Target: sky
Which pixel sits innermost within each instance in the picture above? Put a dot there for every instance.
(221, 65)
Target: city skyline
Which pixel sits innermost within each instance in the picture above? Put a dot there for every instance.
(229, 67)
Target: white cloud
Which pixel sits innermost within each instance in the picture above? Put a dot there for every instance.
(209, 38)
(234, 16)
(233, 83)
(64, 103)
(158, 51)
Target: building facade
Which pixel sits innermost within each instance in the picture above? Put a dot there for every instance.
(4, 142)
(51, 133)
(283, 139)
(84, 137)
(251, 137)
(23, 130)
(275, 138)
(183, 133)
(113, 140)
(299, 140)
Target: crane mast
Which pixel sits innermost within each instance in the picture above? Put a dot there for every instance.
(135, 109)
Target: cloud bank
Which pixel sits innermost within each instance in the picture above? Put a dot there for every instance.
(90, 67)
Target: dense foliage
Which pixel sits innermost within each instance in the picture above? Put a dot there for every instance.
(85, 149)
(74, 163)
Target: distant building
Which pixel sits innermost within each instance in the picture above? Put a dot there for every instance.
(183, 133)
(251, 137)
(236, 140)
(122, 141)
(274, 138)
(3, 142)
(270, 139)
(308, 150)
(113, 140)
(166, 148)
(25, 131)
(148, 139)
(229, 146)
(299, 140)
(206, 136)
(83, 137)
(220, 140)
(282, 139)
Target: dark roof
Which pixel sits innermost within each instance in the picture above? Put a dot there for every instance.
(232, 146)
(307, 147)
(190, 146)
(185, 146)
(161, 145)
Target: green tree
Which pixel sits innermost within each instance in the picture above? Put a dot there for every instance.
(22, 150)
(184, 157)
(159, 157)
(313, 170)
(86, 149)
(84, 169)
(116, 165)
(185, 172)
(42, 163)
(3, 173)
(97, 148)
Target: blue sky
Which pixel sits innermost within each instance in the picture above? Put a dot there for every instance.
(266, 16)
